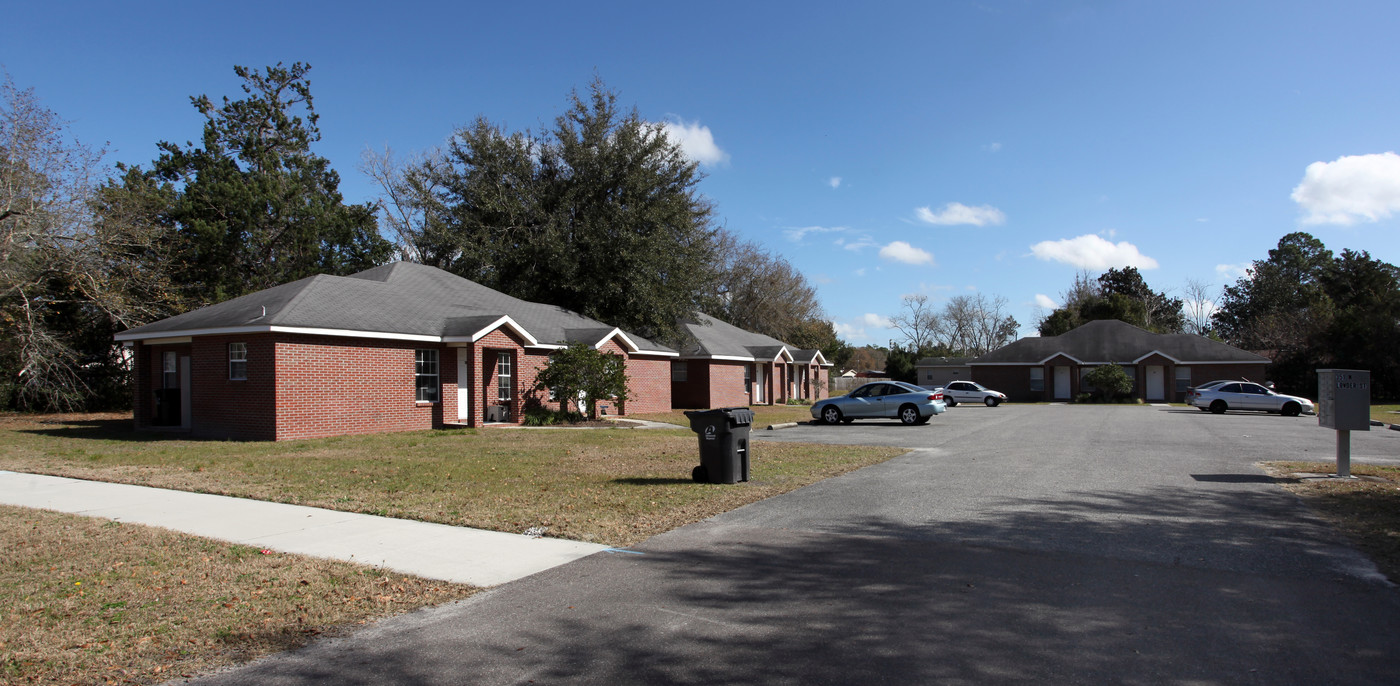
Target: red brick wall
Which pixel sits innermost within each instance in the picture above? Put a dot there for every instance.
(821, 382)
(232, 409)
(727, 384)
(329, 386)
(694, 392)
(649, 378)
(524, 370)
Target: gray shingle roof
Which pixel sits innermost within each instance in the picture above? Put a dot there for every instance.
(1110, 340)
(716, 338)
(400, 298)
(943, 362)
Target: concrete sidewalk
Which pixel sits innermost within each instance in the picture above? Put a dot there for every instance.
(434, 551)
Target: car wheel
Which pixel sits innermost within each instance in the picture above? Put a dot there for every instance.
(831, 414)
(699, 474)
(1219, 407)
(1291, 410)
(950, 401)
(991, 402)
(909, 415)
(924, 420)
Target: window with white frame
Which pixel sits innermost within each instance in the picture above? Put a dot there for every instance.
(503, 366)
(425, 375)
(237, 361)
(748, 378)
(1037, 378)
(680, 371)
(1183, 379)
(170, 375)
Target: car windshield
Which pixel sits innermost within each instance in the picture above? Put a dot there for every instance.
(901, 387)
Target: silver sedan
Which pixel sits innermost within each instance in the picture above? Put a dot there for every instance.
(883, 399)
(1243, 395)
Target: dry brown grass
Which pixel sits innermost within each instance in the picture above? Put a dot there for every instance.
(1367, 508)
(614, 486)
(94, 601)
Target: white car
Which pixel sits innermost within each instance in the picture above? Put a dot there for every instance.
(1243, 395)
(971, 392)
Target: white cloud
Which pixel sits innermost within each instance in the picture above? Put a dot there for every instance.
(834, 182)
(796, 235)
(900, 251)
(875, 320)
(697, 142)
(849, 332)
(955, 213)
(856, 245)
(1044, 301)
(1092, 252)
(992, 147)
(860, 272)
(1230, 272)
(1351, 189)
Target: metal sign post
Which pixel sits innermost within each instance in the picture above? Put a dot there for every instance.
(1344, 404)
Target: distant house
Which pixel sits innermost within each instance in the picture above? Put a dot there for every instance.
(940, 371)
(1162, 366)
(398, 347)
(723, 365)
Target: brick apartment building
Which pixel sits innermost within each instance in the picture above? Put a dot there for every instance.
(399, 347)
(722, 365)
(1162, 366)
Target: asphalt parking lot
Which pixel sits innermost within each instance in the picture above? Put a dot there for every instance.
(1058, 544)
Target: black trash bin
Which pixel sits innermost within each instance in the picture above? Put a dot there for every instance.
(724, 444)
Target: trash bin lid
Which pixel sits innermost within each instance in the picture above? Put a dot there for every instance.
(739, 416)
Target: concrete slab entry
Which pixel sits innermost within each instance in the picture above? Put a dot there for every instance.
(434, 551)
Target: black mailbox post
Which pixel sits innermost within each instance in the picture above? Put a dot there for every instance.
(724, 444)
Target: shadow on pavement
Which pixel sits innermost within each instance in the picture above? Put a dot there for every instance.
(1163, 587)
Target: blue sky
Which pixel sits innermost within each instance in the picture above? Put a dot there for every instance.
(883, 148)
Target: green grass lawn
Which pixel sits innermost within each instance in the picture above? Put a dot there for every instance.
(1390, 414)
(763, 415)
(613, 486)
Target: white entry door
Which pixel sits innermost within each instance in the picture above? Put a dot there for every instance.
(1062, 383)
(464, 386)
(760, 381)
(1155, 389)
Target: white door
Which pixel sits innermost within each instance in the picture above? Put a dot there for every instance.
(464, 386)
(1062, 383)
(760, 379)
(1155, 391)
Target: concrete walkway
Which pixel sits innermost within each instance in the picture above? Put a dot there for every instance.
(434, 551)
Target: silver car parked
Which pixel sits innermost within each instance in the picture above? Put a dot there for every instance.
(883, 399)
(1218, 397)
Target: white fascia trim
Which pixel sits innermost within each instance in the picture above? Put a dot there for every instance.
(628, 344)
(505, 320)
(166, 336)
(783, 353)
(725, 358)
(1157, 352)
(657, 353)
